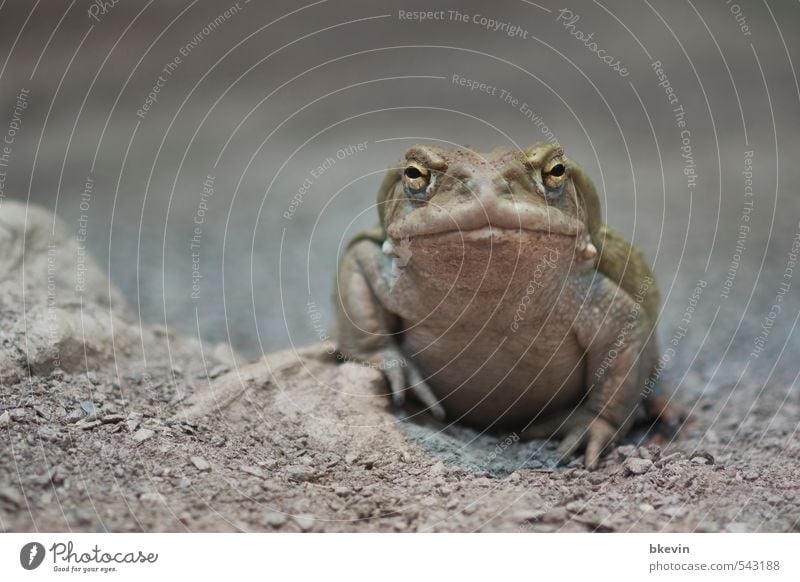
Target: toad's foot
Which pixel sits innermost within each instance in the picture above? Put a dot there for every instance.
(581, 429)
(402, 376)
(669, 415)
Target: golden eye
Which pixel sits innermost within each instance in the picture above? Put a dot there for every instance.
(416, 177)
(554, 174)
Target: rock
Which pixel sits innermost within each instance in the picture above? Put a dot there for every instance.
(77, 516)
(737, 527)
(635, 466)
(596, 478)
(555, 515)
(341, 491)
(89, 407)
(575, 506)
(626, 451)
(521, 516)
(438, 469)
(88, 424)
(651, 453)
(668, 459)
(702, 458)
(74, 415)
(112, 418)
(674, 511)
(750, 475)
(47, 433)
(304, 521)
(299, 473)
(12, 496)
(5, 418)
(250, 470)
(275, 518)
(41, 412)
(200, 463)
(143, 434)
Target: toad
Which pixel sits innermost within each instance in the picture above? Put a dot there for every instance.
(493, 292)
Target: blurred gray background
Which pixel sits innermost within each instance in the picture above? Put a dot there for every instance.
(264, 93)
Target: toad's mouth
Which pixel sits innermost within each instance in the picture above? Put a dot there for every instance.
(492, 235)
(475, 223)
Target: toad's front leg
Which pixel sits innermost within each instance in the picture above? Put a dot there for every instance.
(612, 328)
(368, 333)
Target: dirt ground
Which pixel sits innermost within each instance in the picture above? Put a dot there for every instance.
(107, 426)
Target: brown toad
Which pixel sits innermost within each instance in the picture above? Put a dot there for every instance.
(494, 293)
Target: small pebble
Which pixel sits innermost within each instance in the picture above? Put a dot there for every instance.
(47, 433)
(299, 473)
(674, 511)
(575, 506)
(200, 463)
(750, 475)
(555, 515)
(143, 434)
(250, 470)
(88, 424)
(74, 415)
(702, 458)
(636, 466)
(304, 521)
(626, 451)
(275, 518)
(12, 496)
(596, 478)
(89, 407)
(5, 418)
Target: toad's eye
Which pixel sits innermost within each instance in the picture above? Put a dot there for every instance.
(554, 174)
(416, 178)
